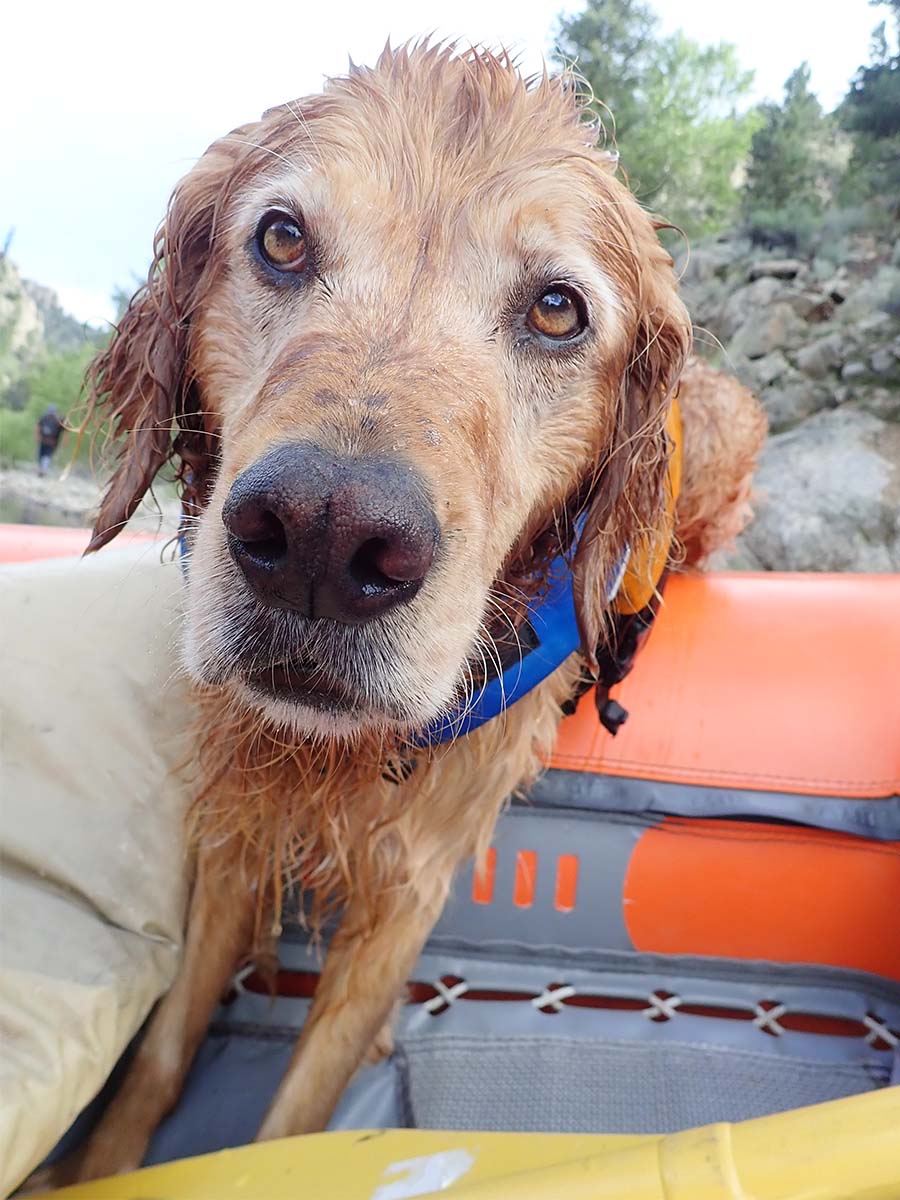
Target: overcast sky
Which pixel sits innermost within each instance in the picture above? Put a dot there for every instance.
(103, 105)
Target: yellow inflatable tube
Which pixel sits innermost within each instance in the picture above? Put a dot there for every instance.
(846, 1150)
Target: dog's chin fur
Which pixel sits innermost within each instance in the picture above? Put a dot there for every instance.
(347, 725)
(300, 720)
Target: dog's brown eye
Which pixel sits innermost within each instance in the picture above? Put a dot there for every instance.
(558, 314)
(281, 242)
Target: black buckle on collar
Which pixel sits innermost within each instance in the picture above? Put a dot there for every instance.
(615, 658)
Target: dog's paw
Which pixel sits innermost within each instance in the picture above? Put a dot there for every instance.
(93, 1160)
(48, 1179)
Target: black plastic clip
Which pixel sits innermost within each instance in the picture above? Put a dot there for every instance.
(612, 716)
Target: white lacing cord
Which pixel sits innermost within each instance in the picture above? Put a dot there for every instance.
(445, 995)
(767, 1018)
(661, 1006)
(237, 982)
(553, 997)
(879, 1031)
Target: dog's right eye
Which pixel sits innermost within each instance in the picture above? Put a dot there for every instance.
(281, 242)
(558, 314)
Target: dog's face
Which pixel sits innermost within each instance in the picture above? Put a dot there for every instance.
(404, 327)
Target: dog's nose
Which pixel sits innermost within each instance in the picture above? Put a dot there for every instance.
(328, 536)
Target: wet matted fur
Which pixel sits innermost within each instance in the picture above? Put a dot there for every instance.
(439, 194)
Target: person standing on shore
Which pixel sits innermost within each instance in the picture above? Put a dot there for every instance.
(49, 430)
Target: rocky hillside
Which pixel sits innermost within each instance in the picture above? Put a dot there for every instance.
(818, 339)
(32, 323)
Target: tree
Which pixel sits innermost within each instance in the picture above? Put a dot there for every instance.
(788, 164)
(610, 43)
(871, 113)
(671, 105)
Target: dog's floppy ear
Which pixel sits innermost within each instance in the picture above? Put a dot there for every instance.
(627, 496)
(142, 384)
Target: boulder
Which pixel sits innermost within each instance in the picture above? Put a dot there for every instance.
(786, 404)
(809, 304)
(874, 323)
(703, 272)
(705, 302)
(862, 260)
(838, 288)
(700, 264)
(745, 304)
(828, 496)
(777, 268)
(818, 358)
(883, 402)
(885, 361)
(854, 371)
(823, 268)
(773, 329)
(816, 306)
(841, 393)
(758, 373)
(868, 297)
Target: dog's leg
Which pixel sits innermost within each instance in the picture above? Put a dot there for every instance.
(219, 931)
(364, 973)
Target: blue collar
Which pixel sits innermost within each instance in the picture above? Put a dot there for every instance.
(550, 637)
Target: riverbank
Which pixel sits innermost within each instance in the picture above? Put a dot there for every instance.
(72, 499)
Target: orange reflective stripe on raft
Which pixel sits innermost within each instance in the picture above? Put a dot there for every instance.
(782, 683)
(27, 543)
(754, 891)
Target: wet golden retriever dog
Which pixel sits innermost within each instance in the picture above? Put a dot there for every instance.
(401, 340)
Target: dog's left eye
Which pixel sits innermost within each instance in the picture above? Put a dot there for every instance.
(281, 242)
(558, 314)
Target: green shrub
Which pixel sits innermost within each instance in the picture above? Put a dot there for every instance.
(791, 228)
(56, 379)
